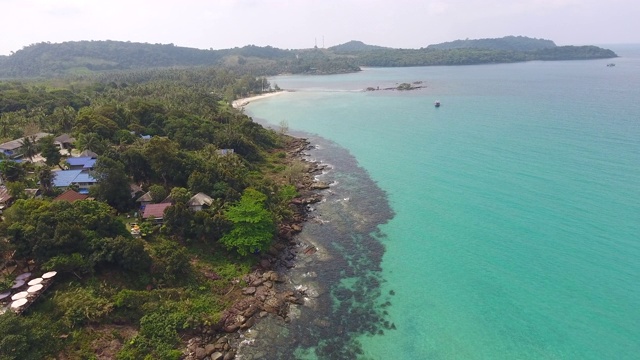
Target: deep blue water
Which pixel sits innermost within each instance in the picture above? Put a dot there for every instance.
(511, 214)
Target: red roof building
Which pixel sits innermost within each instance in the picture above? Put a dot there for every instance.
(155, 211)
(70, 196)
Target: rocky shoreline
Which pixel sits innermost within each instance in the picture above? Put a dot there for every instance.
(266, 292)
(402, 87)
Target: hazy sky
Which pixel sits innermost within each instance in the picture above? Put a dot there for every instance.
(292, 24)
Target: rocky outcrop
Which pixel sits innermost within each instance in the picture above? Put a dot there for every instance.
(264, 293)
(261, 299)
(401, 87)
(217, 348)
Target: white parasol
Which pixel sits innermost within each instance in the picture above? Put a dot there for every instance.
(18, 303)
(20, 295)
(35, 281)
(48, 275)
(34, 288)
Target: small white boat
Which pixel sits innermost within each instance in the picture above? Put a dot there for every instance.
(437, 103)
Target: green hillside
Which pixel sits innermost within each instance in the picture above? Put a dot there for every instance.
(86, 57)
(510, 43)
(355, 46)
(82, 57)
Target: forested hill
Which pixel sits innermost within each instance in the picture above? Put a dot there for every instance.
(81, 57)
(355, 46)
(46, 58)
(86, 57)
(513, 43)
(507, 49)
(477, 56)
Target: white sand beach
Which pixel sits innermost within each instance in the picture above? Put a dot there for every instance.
(245, 101)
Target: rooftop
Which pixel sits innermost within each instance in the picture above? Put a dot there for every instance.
(70, 196)
(155, 211)
(64, 178)
(85, 161)
(17, 143)
(200, 199)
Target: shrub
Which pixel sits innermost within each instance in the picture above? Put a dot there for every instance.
(81, 306)
(18, 334)
(170, 260)
(73, 263)
(128, 253)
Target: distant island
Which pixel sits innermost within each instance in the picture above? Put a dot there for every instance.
(508, 49)
(88, 57)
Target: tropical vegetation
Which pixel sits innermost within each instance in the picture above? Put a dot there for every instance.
(163, 131)
(80, 58)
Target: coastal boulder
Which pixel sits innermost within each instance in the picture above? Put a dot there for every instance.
(273, 305)
(209, 349)
(249, 290)
(320, 185)
(200, 353)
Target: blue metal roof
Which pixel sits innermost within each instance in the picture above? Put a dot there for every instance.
(83, 177)
(84, 161)
(65, 178)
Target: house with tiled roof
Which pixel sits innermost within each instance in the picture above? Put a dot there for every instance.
(155, 212)
(71, 196)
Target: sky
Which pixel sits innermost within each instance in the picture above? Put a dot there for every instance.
(296, 24)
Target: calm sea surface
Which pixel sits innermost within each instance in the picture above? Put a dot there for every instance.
(503, 225)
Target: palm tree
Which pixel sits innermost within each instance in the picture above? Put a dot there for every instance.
(90, 141)
(45, 178)
(29, 147)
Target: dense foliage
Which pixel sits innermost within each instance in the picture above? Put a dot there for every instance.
(354, 46)
(162, 130)
(513, 43)
(253, 225)
(474, 56)
(86, 57)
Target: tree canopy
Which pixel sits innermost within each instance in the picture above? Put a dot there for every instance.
(156, 130)
(253, 226)
(82, 57)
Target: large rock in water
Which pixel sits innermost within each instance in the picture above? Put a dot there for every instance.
(320, 185)
(273, 305)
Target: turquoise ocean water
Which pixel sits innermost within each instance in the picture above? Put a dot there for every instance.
(510, 215)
